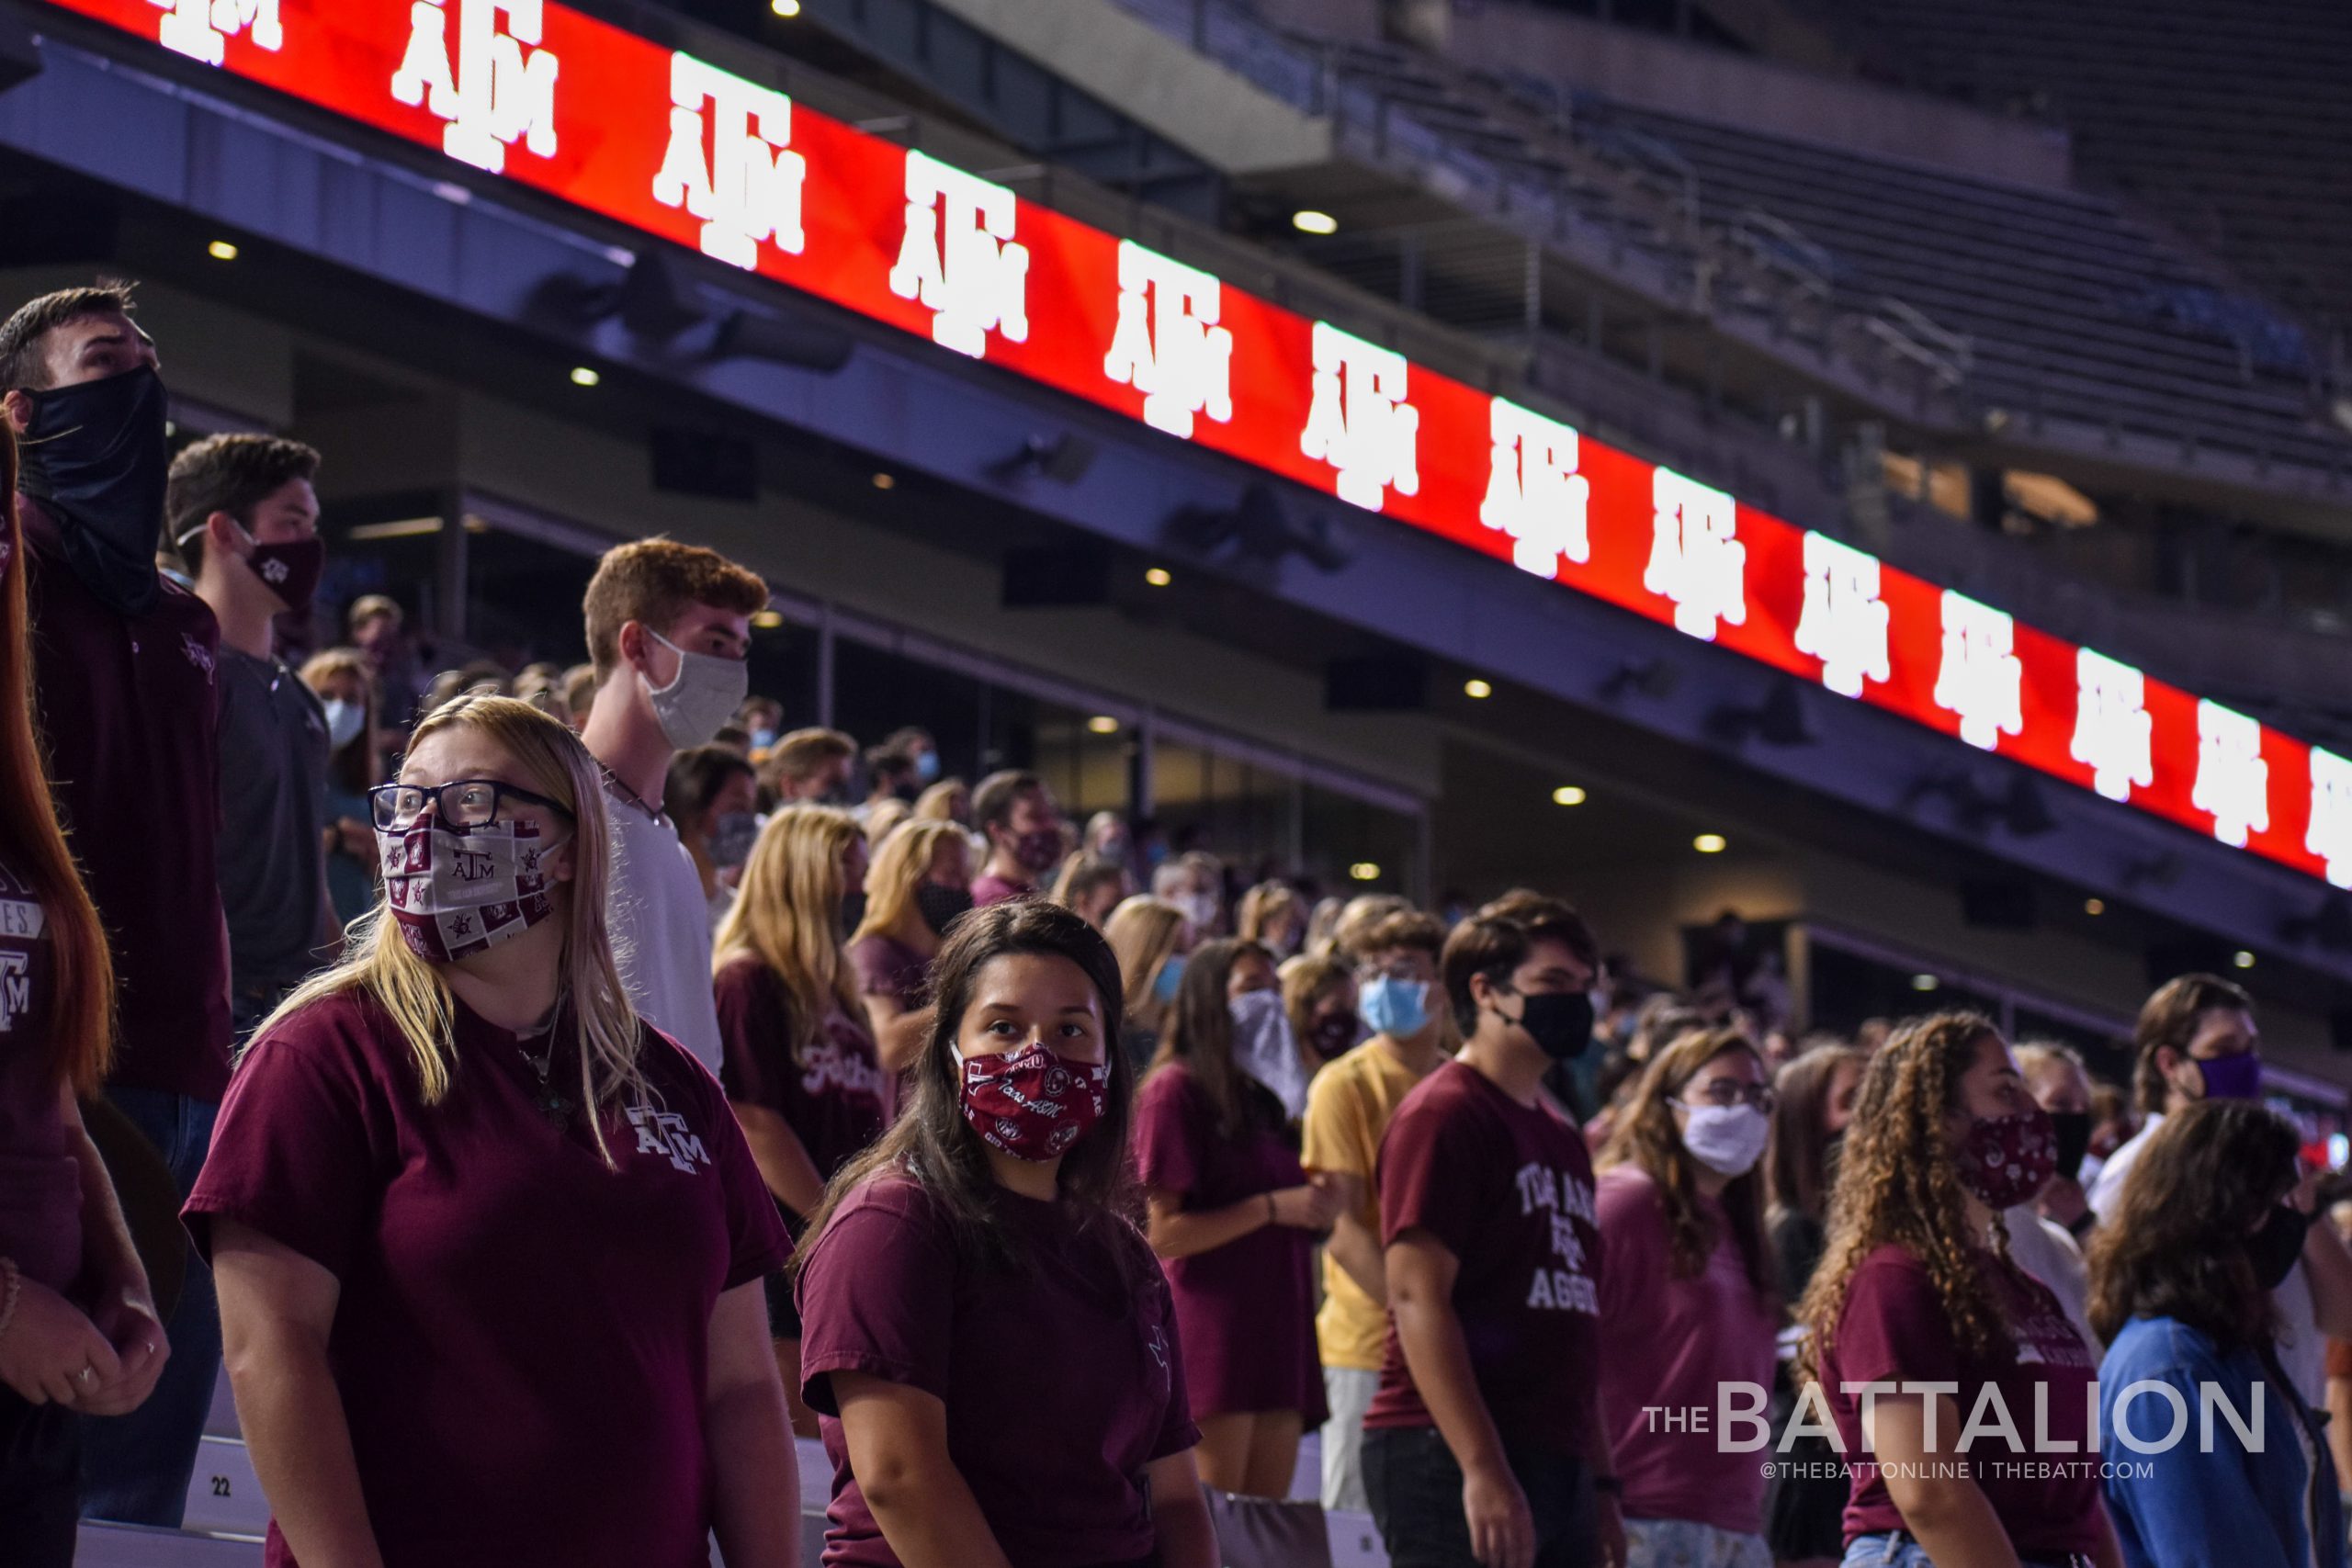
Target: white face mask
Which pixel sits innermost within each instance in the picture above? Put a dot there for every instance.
(703, 696)
(1727, 1139)
(1266, 1048)
(344, 722)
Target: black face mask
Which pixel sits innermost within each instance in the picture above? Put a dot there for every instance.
(95, 455)
(852, 912)
(2274, 1249)
(2073, 1130)
(939, 907)
(1559, 1021)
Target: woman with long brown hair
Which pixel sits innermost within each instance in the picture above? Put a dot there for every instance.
(488, 1246)
(992, 1343)
(78, 1331)
(2209, 1222)
(1917, 1286)
(1686, 1298)
(1234, 1217)
(800, 1066)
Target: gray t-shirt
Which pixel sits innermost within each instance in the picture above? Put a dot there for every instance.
(272, 805)
(660, 927)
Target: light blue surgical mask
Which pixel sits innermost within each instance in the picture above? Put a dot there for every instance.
(1171, 975)
(1398, 1009)
(927, 766)
(344, 720)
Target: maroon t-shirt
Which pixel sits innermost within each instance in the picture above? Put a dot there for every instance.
(1893, 1330)
(1246, 1309)
(1675, 1341)
(831, 1096)
(130, 711)
(1061, 1377)
(888, 967)
(522, 1340)
(40, 1182)
(1508, 1189)
(989, 888)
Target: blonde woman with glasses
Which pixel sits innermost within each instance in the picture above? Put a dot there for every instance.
(800, 1066)
(488, 1246)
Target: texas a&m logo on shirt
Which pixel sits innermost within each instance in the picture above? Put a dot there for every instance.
(665, 1134)
(1567, 1286)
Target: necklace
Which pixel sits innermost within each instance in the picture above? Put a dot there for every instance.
(554, 1102)
(634, 798)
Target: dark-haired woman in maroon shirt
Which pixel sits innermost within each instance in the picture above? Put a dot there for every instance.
(989, 1342)
(1235, 1219)
(78, 1334)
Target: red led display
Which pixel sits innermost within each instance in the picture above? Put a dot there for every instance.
(568, 104)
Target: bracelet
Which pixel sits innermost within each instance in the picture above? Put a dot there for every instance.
(1270, 1220)
(12, 1285)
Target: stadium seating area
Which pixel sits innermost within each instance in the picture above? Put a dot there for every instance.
(1954, 301)
(2155, 95)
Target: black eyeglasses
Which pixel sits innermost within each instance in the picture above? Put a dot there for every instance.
(460, 802)
(1728, 1092)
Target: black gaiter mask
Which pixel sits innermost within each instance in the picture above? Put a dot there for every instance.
(95, 456)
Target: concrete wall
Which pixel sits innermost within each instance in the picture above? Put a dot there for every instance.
(1674, 78)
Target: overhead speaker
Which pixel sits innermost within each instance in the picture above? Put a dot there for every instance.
(19, 52)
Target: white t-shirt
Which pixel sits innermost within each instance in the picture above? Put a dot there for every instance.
(660, 927)
(2045, 1251)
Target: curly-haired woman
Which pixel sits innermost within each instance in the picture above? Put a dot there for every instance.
(1686, 1301)
(1917, 1287)
(2204, 1231)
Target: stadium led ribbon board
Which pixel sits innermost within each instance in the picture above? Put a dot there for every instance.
(672, 146)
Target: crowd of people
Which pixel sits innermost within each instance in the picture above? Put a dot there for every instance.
(575, 1083)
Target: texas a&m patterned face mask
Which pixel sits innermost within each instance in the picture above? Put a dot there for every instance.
(1034, 1104)
(456, 891)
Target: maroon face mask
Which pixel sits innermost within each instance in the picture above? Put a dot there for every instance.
(1037, 851)
(2004, 1160)
(290, 570)
(1033, 1104)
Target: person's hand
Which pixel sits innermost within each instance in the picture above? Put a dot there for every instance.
(356, 838)
(1307, 1208)
(128, 1321)
(1502, 1530)
(1609, 1533)
(51, 1353)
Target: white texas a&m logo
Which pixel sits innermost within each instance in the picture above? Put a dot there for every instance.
(1533, 492)
(2233, 781)
(959, 257)
(1168, 344)
(200, 29)
(666, 1133)
(490, 88)
(2330, 833)
(1359, 421)
(1844, 621)
(2113, 732)
(1981, 677)
(1696, 559)
(15, 988)
(746, 185)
